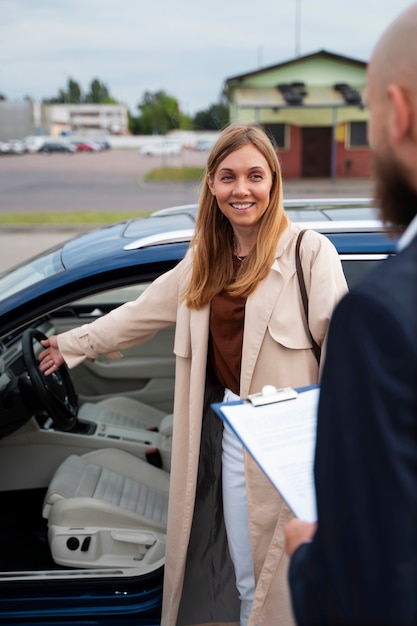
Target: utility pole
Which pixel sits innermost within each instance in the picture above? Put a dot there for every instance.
(297, 27)
(260, 56)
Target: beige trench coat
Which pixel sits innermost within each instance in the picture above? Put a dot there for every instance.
(276, 350)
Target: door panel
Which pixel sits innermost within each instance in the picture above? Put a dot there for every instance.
(316, 152)
(145, 372)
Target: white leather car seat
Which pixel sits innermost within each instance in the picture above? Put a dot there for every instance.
(122, 411)
(107, 508)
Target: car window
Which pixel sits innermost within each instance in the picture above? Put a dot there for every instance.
(114, 296)
(355, 266)
(356, 213)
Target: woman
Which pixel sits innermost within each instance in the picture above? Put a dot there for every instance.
(240, 324)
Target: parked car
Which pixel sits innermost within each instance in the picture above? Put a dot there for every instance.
(4, 147)
(162, 148)
(12, 146)
(77, 574)
(86, 146)
(204, 145)
(103, 144)
(56, 146)
(32, 143)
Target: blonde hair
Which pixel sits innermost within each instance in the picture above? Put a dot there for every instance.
(212, 243)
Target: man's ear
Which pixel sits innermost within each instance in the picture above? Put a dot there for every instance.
(400, 113)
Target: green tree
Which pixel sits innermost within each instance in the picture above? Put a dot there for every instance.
(134, 124)
(215, 117)
(72, 95)
(98, 93)
(186, 123)
(74, 92)
(160, 113)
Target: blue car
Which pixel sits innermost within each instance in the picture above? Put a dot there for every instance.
(86, 570)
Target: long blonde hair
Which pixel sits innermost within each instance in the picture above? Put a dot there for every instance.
(212, 246)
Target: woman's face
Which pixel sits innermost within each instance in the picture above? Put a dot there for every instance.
(242, 185)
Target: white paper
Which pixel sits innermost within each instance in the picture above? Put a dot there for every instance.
(281, 438)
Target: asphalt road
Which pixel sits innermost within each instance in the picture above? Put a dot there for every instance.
(109, 181)
(99, 181)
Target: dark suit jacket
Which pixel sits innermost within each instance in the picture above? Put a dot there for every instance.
(361, 567)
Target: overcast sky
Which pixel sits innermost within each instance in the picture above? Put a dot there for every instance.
(187, 48)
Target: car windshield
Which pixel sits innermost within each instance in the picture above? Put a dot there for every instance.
(29, 273)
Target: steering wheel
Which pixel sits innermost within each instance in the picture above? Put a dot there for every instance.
(56, 391)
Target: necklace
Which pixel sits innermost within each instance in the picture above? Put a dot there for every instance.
(239, 258)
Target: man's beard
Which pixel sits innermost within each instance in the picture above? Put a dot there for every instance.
(395, 198)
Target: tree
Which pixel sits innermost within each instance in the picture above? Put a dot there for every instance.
(72, 95)
(98, 94)
(160, 113)
(186, 123)
(74, 92)
(215, 117)
(134, 124)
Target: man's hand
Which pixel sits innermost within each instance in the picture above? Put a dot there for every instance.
(297, 532)
(50, 359)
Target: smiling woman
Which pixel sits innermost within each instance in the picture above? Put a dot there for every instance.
(239, 317)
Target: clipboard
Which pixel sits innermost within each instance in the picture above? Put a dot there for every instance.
(281, 437)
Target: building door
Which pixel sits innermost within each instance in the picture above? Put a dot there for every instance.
(316, 152)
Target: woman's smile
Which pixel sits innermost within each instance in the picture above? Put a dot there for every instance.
(241, 206)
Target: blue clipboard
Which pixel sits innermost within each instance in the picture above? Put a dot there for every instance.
(281, 438)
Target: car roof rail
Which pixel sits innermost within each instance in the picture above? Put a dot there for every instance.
(328, 202)
(343, 226)
(173, 236)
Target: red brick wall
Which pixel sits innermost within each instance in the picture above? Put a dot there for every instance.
(290, 159)
(350, 162)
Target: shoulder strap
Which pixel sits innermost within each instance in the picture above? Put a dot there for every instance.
(316, 348)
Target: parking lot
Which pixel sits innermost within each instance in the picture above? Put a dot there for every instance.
(110, 181)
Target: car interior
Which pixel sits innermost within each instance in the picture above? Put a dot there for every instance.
(85, 454)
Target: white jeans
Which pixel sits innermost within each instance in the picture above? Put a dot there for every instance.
(236, 516)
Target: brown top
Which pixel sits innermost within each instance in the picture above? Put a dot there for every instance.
(227, 316)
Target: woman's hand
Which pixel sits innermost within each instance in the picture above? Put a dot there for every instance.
(51, 358)
(297, 532)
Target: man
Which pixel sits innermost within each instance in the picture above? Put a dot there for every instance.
(359, 564)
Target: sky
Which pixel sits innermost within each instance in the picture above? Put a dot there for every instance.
(187, 48)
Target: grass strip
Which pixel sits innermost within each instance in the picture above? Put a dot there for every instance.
(167, 174)
(70, 218)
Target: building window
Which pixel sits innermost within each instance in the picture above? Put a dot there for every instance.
(358, 135)
(278, 133)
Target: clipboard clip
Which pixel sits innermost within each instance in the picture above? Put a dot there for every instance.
(270, 395)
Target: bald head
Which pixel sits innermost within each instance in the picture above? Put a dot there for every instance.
(395, 56)
(391, 96)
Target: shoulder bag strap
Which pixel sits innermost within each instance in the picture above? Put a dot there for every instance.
(316, 348)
